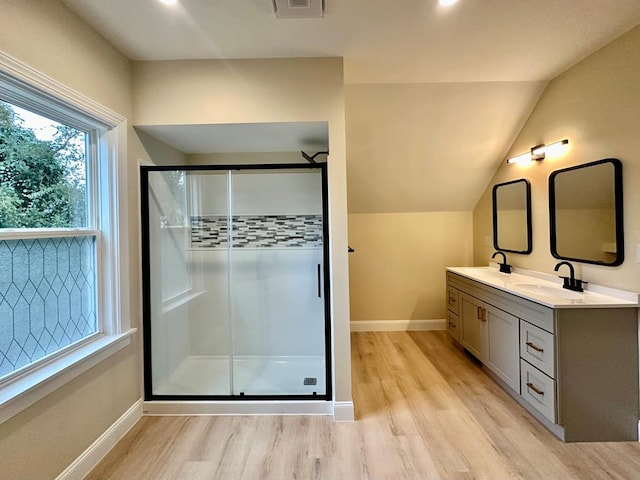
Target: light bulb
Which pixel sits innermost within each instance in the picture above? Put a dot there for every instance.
(446, 3)
(523, 159)
(557, 148)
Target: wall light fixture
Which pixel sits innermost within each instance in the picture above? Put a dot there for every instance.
(540, 152)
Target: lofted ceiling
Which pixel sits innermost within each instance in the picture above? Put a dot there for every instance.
(430, 91)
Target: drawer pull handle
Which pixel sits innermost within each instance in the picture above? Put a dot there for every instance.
(535, 347)
(533, 387)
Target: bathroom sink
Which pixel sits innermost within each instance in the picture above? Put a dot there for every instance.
(488, 274)
(546, 290)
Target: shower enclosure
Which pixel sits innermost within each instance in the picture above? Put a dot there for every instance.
(235, 282)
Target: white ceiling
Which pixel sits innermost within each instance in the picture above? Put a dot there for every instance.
(246, 137)
(430, 92)
(390, 41)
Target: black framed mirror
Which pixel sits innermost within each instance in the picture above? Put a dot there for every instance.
(585, 213)
(512, 216)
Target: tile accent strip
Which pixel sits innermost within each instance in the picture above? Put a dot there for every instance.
(257, 231)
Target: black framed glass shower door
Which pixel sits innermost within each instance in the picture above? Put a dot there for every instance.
(235, 282)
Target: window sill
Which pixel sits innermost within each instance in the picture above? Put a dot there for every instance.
(26, 390)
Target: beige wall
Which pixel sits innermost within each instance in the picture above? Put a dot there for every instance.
(398, 267)
(418, 158)
(48, 37)
(254, 91)
(159, 152)
(44, 439)
(595, 105)
(410, 146)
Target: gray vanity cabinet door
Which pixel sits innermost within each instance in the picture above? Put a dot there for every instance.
(539, 391)
(453, 296)
(537, 347)
(453, 326)
(453, 318)
(472, 335)
(503, 353)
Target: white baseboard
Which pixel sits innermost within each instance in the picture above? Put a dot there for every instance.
(397, 325)
(98, 449)
(343, 412)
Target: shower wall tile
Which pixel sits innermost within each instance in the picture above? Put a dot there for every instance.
(209, 231)
(257, 231)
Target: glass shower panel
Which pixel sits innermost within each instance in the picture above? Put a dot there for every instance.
(277, 293)
(188, 282)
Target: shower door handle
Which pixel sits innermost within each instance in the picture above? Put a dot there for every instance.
(319, 283)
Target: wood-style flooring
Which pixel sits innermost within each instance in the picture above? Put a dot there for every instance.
(424, 411)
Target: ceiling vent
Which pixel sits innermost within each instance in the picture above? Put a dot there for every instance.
(299, 8)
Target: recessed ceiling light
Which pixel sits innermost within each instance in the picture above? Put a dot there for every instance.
(299, 8)
(446, 3)
(169, 2)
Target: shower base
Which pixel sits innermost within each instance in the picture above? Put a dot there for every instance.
(253, 375)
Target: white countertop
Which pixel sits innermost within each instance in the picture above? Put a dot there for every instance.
(546, 289)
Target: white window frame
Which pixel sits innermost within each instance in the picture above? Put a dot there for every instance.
(30, 89)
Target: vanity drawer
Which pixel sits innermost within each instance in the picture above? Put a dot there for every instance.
(453, 296)
(537, 347)
(538, 390)
(453, 325)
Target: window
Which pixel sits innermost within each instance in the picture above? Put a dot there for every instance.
(47, 280)
(63, 291)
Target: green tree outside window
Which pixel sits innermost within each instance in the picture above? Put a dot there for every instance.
(42, 182)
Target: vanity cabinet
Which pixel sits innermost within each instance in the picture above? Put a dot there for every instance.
(537, 347)
(453, 317)
(472, 325)
(491, 335)
(503, 352)
(575, 368)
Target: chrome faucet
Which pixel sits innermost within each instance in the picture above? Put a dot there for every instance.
(570, 282)
(504, 266)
